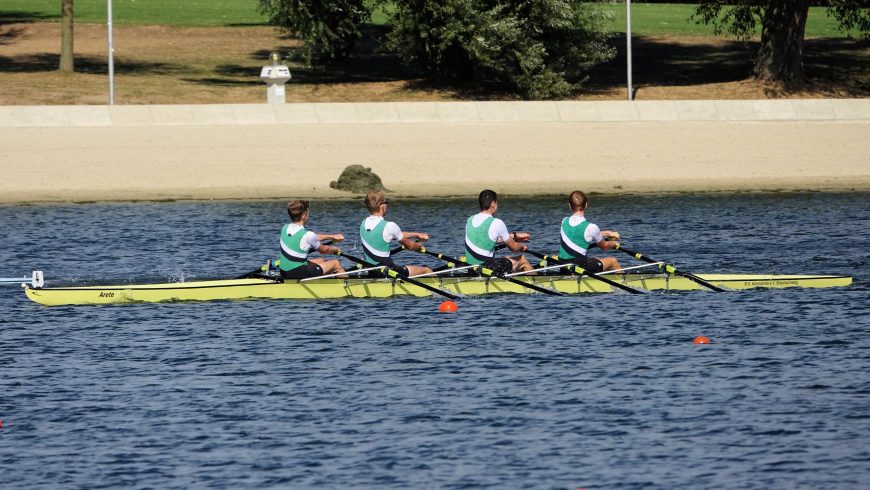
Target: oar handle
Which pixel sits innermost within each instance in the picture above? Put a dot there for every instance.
(392, 272)
(583, 271)
(452, 262)
(670, 269)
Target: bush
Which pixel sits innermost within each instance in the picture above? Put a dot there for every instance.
(330, 28)
(539, 48)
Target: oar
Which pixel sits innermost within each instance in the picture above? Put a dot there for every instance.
(490, 273)
(582, 271)
(265, 267)
(671, 269)
(396, 274)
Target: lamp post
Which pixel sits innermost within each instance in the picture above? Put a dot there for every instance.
(111, 57)
(628, 43)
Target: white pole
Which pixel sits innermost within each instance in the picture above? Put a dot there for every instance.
(628, 42)
(111, 58)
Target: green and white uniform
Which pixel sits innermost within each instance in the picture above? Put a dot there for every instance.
(296, 244)
(376, 234)
(482, 232)
(577, 236)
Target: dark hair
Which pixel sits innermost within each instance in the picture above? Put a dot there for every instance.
(486, 198)
(577, 201)
(296, 209)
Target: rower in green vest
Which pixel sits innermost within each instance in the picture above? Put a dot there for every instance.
(483, 232)
(376, 234)
(577, 236)
(297, 243)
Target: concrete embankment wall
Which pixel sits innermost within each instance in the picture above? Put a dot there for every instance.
(50, 153)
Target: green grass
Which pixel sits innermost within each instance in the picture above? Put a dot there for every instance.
(660, 19)
(181, 13)
(646, 18)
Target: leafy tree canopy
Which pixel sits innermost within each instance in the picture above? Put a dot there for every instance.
(330, 28)
(537, 48)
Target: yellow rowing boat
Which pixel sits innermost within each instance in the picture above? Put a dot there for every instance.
(333, 288)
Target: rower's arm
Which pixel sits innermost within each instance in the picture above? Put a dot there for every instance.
(608, 244)
(336, 237)
(416, 235)
(411, 244)
(611, 240)
(328, 250)
(513, 241)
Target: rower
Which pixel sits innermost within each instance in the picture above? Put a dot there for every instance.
(579, 235)
(483, 231)
(376, 234)
(297, 243)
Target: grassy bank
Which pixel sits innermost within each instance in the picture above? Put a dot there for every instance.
(656, 19)
(647, 18)
(177, 13)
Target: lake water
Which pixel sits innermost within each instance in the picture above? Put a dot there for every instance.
(513, 391)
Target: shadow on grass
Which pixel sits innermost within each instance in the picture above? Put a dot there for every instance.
(242, 76)
(247, 24)
(24, 17)
(369, 63)
(831, 64)
(661, 61)
(9, 33)
(45, 62)
(839, 64)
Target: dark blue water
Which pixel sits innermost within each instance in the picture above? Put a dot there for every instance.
(518, 391)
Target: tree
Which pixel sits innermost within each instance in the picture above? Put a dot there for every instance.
(783, 23)
(538, 48)
(67, 63)
(330, 28)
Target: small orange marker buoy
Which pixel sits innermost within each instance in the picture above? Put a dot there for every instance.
(700, 339)
(447, 307)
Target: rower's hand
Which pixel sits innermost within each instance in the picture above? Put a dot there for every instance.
(338, 237)
(415, 246)
(610, 236)
(521, 236)
(422, 237)
(336, 251)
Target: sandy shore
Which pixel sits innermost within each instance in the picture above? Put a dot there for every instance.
(65, 163)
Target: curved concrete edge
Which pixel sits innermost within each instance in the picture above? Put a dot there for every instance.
(438, 112)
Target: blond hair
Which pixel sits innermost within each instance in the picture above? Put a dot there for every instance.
(374, 199)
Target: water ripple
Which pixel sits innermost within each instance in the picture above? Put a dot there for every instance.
(511, 391)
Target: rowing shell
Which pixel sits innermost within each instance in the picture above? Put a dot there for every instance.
(332, 288)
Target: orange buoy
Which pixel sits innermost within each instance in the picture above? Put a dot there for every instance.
(447, 307)
(700, 339)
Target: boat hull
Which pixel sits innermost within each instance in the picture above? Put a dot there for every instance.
(238, 289)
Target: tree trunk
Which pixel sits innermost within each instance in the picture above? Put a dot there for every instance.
(780, 58)
(67, 63)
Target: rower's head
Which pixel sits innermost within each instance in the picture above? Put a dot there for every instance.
(298, 211)
(488, 200)
(376, 202)
(577, 201)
